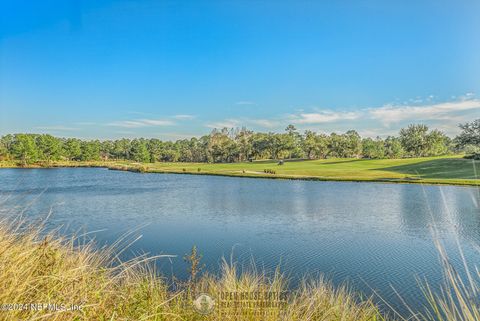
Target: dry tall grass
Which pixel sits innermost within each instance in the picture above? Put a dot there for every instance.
(458, 298)
(37, 270)
(43, 275)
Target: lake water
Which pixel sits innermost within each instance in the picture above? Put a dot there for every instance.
(372, 235)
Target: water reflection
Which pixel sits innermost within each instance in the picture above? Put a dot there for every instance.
(374, 235)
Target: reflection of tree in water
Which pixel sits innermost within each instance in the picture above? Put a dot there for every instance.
(420, 208)
(445, 213)
(464, 213)
(446, 208)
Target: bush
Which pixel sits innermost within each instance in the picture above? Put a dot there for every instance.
(475, 156)
(471, 149)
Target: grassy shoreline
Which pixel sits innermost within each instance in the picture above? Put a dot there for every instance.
(43, 276)
(50, 277)
(444, 170)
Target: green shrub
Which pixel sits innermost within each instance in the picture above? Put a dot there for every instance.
(475, 156)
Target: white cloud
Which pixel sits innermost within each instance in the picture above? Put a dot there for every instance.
(325, 116)
(232, 123)
(124, 132)
(370, 121)
(176, 136)
(377, 132)
(141, 123)
(183, 117)
(441, 111)
(267, 123)
(56, 128)
(157, 122)
(227, 123)
(150, 122)
(85, 123)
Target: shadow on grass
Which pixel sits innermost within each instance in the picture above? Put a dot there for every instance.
(446, 168)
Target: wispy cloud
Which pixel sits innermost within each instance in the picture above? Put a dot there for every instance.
(377, 132)
(175, 136)
(56, 128)
(266, 123)
(124, 132)
(151, 122)
(372, 121)
(325, 116)
(85, 123)
(141, 113)
(138, 123)
(232, 123)
(440, 111)
(227, 123)
(183, 117)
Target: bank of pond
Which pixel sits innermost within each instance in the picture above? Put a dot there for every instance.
(379, 238)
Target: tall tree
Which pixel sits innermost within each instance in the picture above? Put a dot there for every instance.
(49, 148)
(373, 148)
(170, 152)
(121, 148)
(354, 143)
(90, 150)
(470, 134)
(155, 148)
(437, 143)
(260, 145)
(393, 147)
(106, 149)
(336, 145)
(139, 151)
(244, 143)
(414, 140)
(221, 147)
(275, 145)
(6, 143)
(322, 145)
(236, 145)
(24, 148)
(314, 145)
(72, 149)
(293, 143)
(310, 144)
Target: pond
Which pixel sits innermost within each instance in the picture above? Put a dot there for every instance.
(371, 235)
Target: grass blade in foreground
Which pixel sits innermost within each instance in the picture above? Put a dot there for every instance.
(51, 278)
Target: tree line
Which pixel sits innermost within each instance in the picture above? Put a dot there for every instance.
(237, 145)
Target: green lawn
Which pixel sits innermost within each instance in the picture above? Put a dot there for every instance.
(433, 170)
(444, 170)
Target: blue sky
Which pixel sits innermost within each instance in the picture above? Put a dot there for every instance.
(175, 69)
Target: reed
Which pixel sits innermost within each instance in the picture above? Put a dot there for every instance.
(459, 296)
(38, 268)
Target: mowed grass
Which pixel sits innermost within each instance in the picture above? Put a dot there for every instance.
(439, 170)
(430, 170)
